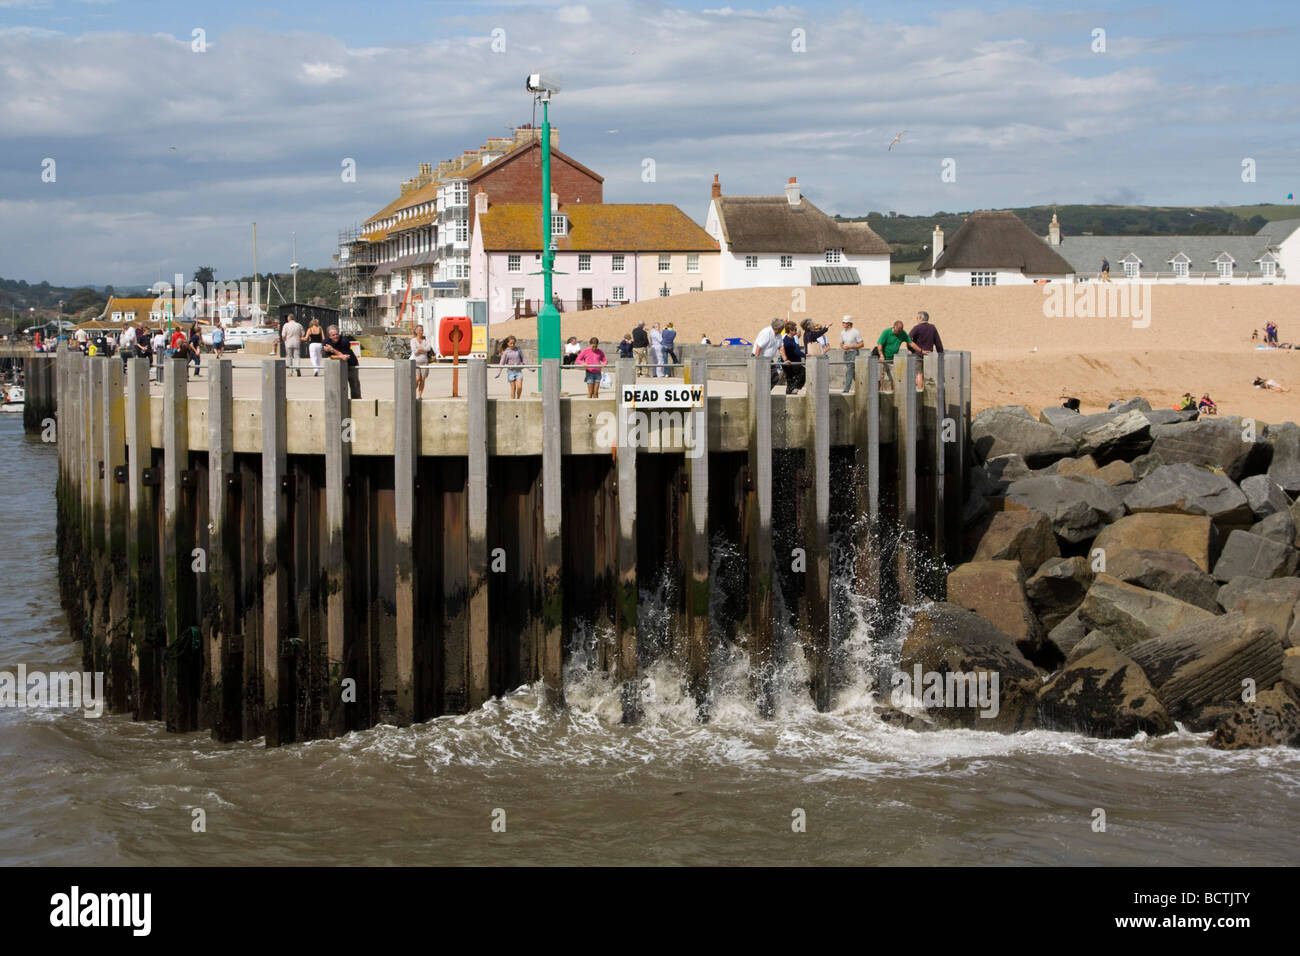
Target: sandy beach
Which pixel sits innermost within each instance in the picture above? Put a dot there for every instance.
(1198, 339)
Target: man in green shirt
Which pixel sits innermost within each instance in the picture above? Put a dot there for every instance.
(887, 346)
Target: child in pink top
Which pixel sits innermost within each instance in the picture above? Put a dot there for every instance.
(593, 358)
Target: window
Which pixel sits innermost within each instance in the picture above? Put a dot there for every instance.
(665, 262)
(462, 230)
(584, 262)
(558, 225)
(516, 295)
(462, 271)
(618, 263)
(155, 316)
(834, 257)
(1267, 268)
(983, 278)
(1180, 269)
(117, 316)
(618, 294)
(787, 262)
(1225, 268)
(513, 264)
(460, 194)
(751, 262)
(664, 291)
(1131, 269)
(693, 262)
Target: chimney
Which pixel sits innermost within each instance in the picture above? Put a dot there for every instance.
(792, 192)
(1054, 232)
(938, 245)
(717, 187)
(480, 202)
(555, 202)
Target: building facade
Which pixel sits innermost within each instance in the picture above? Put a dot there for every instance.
(787, 241)
(993, 248)
(607, 254)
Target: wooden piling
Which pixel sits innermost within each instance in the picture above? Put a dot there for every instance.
(816, 605)
(97, 632)
(338, 577)
(696, 569)
(476, 528)
(222, 678)
(907, 419)
(758, 535)
(627, 598)
(936, 371)
(406, 453)
(115, 532)
(141, 556)
(277, 701)
(552, 654)
(178, 617)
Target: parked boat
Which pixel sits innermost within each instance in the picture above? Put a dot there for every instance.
(14, 396)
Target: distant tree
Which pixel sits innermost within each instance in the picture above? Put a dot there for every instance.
(108, 291)
(82, 299)
(204, 275)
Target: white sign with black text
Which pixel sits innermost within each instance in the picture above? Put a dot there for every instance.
(663, 396)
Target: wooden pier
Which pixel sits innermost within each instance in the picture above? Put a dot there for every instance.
(259, 560)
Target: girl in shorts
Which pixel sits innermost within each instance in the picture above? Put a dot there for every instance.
(512, 358)
(593, 359)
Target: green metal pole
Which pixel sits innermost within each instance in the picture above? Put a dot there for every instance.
(549, 341)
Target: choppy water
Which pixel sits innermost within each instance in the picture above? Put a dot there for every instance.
(577, 787)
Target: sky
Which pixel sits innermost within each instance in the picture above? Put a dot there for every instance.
(140, 139)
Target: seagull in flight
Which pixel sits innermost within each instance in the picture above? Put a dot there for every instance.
(611, 131)
(894, 142)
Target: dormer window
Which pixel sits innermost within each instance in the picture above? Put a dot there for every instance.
(1225, 267)
(1132, 266)
(1181, 265)
(1268, 267)
(559, 225)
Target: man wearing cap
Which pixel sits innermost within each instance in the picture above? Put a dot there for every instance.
(851, 342)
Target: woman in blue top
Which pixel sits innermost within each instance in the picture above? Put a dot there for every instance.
(792, 354)
(669, 349)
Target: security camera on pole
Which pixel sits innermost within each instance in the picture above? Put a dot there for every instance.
(549, 341)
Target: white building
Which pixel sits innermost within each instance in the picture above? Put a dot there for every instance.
(993, 248)
(787, 241)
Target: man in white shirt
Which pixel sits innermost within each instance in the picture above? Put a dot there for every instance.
(291, 332)
(851, 342)
(159, 344)
(768, 343)
(126, 343)
(657, 351)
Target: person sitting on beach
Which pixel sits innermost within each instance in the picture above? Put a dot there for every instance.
(1187, 403)
(1268, 383)
(1254, 336)
(1206, 405)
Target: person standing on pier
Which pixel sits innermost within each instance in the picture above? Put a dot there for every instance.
(512, 357)
(194, 349)
(316, 344)
(641, 348)
(657, 351)
(159, 345)
(292, 332)
(926, 337)
(593, 358)
(887, 346)
(792, 354)
(420, 349)
(851, 342)
(767, 344)
(340, 347)
(670, 349)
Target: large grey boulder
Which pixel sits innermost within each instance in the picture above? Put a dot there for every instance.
(1103, 694)
(1119, 437)
(1264, 495)
(1191, 490)
(1078, 506)
(1189, 534)
(1066, 635)
(1167, 416)
(993, 477)
(1091, 641)
(1058, 416)
(1024, 536)
(1272, 719)
(1221, 443)
(1272, 602)
(1285, 467)
(1169, 572)
(1057, 588)
(1255, 556)
(1280, 527)
(1204, 664)
(1128, 614)
(947, 639)
(1010, 429)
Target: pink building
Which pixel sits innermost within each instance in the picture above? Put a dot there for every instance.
(607, 254)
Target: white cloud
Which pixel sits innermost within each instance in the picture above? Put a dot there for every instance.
(322, 72)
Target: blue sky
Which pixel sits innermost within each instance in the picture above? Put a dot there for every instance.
(163, 155)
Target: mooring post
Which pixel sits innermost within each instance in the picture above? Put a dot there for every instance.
(476, 526)
(97, 636)
(817, 503)
(954, 494)
(140, 548)
(277, 702)
(758, 535)
(115, 509)
(695, 445)
(936, 372)
(552, 535)
(866, 396)
(406, 451)
(338, 576)
(222, 685)
(907, 413)
(177, 580)
(625, 617)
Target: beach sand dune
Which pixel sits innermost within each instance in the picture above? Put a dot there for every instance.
(1196, 338)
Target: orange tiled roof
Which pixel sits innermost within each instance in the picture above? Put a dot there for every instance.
(595, 227)
(141, 307)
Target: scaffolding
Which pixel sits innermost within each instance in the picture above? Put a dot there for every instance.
(356, 259)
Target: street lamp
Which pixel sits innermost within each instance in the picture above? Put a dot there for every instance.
(294, 266)
(543, 86)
